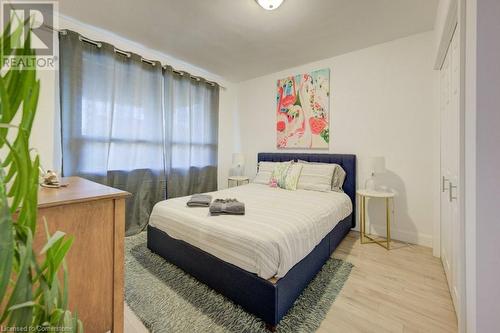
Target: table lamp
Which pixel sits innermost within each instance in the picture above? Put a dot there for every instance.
(238, 164)
(376, 166)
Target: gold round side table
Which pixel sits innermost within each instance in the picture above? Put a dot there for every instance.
(367, 238)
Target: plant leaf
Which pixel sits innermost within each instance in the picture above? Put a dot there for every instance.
(5, 109)
(58, 257)
(6, 240)
(52, 240)
(22, 290)
(22, 305)
(64, 293)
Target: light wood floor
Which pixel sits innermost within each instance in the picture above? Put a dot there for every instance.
(402, 290)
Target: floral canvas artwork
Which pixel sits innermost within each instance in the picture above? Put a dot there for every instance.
(302, 116)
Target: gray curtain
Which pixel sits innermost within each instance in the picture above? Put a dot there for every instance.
(113, 123)
(131, 125)
(191, 133)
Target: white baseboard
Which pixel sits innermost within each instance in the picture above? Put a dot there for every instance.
(404, 236)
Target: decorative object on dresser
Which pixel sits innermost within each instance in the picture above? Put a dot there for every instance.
(50, 179)
(302, 115)
(377, 166)
(237, 181)
(372, 194)
(95, 215)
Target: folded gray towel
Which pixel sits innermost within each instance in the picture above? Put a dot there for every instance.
(200, 200)
(227, 206)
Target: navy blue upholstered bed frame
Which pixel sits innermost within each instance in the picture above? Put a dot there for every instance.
(269, 301)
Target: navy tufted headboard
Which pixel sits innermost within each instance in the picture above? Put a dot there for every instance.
(346, 161)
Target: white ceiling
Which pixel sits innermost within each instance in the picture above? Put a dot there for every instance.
(238, 40)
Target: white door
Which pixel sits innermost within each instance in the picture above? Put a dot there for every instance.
(450, 159)
(445, 100)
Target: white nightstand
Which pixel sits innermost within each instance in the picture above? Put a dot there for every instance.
(364, 238)
(233, 181)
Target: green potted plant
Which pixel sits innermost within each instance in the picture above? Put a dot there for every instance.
(31, 295)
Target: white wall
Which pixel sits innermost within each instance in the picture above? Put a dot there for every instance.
(46, 128)
(382, 104)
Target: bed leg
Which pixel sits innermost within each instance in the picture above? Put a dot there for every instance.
(271, 328)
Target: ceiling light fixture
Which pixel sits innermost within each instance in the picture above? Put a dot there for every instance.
(269, 4)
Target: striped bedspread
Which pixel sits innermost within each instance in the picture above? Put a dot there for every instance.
(279, 228)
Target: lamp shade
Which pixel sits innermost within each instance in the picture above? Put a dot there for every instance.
(269, 4)
(238, 159)
(377, 164)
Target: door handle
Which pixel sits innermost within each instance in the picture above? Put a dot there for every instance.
(450, 191)
(443, 183)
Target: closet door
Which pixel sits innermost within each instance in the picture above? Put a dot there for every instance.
(450, 159)
(454, 169)
(446, 249)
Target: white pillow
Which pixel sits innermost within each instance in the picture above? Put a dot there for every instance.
(316, 177)
(264, 173)
(338, 175)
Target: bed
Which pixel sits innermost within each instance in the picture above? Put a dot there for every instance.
(263, 260)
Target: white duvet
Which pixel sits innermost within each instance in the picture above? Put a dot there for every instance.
(279, 228)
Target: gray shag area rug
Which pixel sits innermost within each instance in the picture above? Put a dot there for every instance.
(167, 299)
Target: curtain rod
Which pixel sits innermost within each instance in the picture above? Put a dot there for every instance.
(193, 77)
(129, 54)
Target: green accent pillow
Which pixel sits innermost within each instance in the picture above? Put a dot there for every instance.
(279, 173)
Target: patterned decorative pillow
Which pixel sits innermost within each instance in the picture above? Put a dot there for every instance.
(280, 172)
(292, 176)
(264, 173)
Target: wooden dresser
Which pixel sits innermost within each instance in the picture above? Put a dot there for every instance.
(95, 215)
